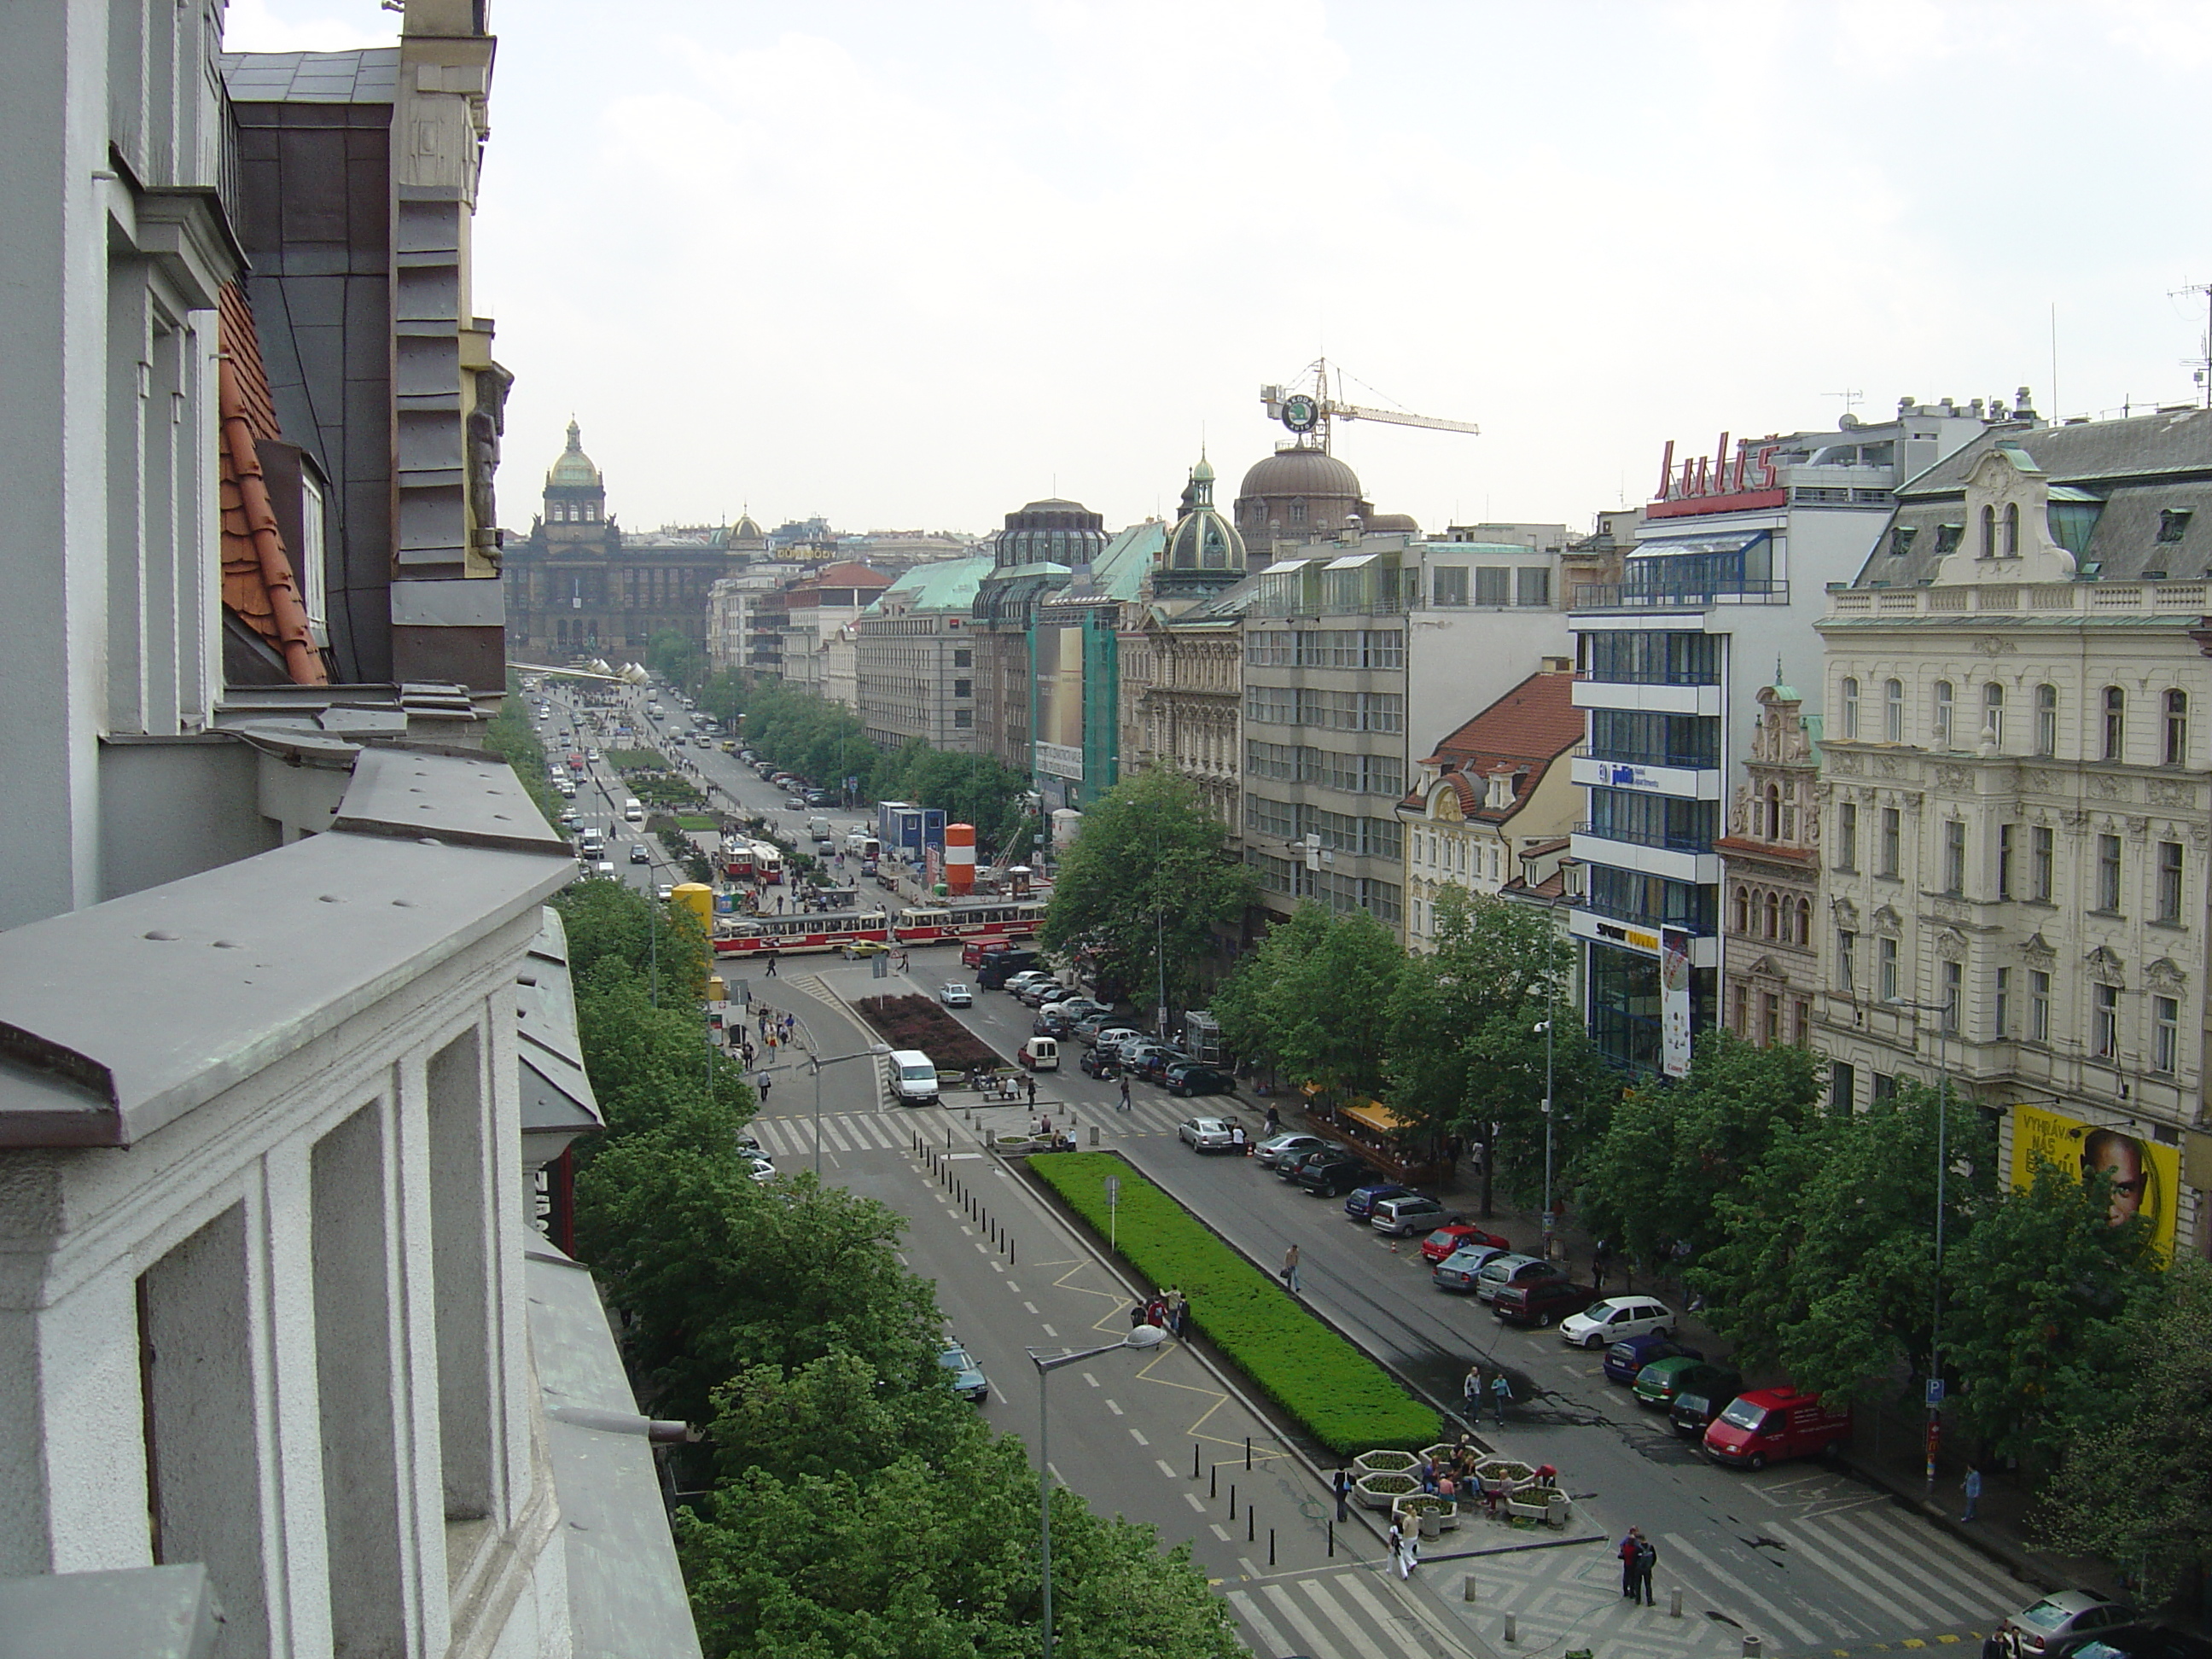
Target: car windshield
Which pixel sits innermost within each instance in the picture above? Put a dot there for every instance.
(2046, 1615)
(1745, 1415)
(915, 1073)
(1598, 1312)
(956, 1359)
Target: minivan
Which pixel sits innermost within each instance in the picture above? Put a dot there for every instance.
(913, 1077)
(1401, 1218)
(1002, 965)
(1040, 1053)
(1769, 1424)
(633, 812)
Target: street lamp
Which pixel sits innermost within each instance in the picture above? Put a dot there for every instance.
(1551, 1015)
(871, 1052)
(1143, 1337)
(1949, 1010)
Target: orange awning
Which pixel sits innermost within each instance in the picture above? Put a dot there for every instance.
(1374, 1115)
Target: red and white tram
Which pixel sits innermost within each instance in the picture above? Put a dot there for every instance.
(980, 919)
(756, 936)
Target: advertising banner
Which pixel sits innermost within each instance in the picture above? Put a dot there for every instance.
(2146, 1174)
(1673, 1002)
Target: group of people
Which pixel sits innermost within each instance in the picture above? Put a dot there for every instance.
(1638, 1557)
(1165, 1309)
(1472, 1391)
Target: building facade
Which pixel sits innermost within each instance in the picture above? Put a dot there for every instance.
(815, 608)
(1770, 861)
(915, 658)
(1036, 553)
(2018, 777)
(1727, 574)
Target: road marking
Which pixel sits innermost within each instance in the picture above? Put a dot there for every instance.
(996, 1266)
(1815, 1552)
(1114, 1407)
(1269, 1635)
(1295, 1616)
(982, 1248)
(1385, 1620)
(1732, 1581)
(1091, 1380)
(1031, 1306)
(1049, 1330)
(1194, 1501)
(968, 1232)
(1138, 1435)
(1010, 1285)
(1251, 1567)
(1221, 1532)
(1161, 1464)
(1326, 1605)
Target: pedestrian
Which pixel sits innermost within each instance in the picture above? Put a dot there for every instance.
(771, 966)
(1973, 1491)
(1237, 1139)
(761, 1086)
(1409, 1550)
(1273, 1125)
(1342, 1483)
(1500, 1392)
(1470, 1392)
(1125, 1092)
(1599, 1264)
(1290, 1269)
(1396, 1541)
(1646, 1556)
(1031, 1081)
(1626, 1551)
(1174, 1312)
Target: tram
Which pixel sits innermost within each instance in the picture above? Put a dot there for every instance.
(756, 936)
(969, 919)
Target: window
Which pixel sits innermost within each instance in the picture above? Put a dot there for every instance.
(964, 657)
(1772, 813)
(2169, 881)
(2038, 1005)
(1842, 1087)
(2116, 723)
(1886, 968)
(2012, 530)
(1989, 532)
(1943, 720)
(314, 592)
(1993, 713)
(2004, 860)
(1893, 711)
(2046, 720)
(2108, 874)
(2001, 1005)
(1847, 836)
(1532, 585)
(2165, 1033)
(1947, 538)
(2176, 749)
(1804, 922)
(2105, 1021)
(1954, 857)
(1743, 910)
(1851, 702)
(1901, 540)
(1893, 838)
(1492, 584)
(1448, 584)
(1769, 1020)
(1773, 913)
(1953, 994)
(2041, 860)
(963, 687)
(1847, 962)
(963, 719)
(2172, 524)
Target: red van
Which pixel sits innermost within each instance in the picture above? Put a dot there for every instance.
(1768, 1424)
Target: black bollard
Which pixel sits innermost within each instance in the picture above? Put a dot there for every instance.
(1271, 1547)
(1232, 1500)
(1213, 1483)
(1251, 1524)
(1332, 1541)
(1248, 1454)
(1194, 1460)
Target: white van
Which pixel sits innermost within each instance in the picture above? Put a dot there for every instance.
(913, 1077)
(593, 843)
(633, 812)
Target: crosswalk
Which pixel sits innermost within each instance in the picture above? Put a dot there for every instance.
(1344, 1614)
(1846, 1577)
(843, 1132)
(892, 1128)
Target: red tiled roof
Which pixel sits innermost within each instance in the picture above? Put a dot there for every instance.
(846, 573)
(1524, 732)
(258, 584)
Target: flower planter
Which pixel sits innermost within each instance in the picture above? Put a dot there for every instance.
(1381, 1490)
(1385, 1463)
(1494, 1471)
(1432, 1515)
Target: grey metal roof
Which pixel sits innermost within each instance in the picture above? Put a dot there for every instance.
(232, 968)
(368, 75)
(2143, 446)
(556, 1091)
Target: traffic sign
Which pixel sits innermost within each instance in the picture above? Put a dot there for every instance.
(1935, 1392)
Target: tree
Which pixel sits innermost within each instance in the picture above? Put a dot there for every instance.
(662, 943)
(1332, 1006)
(2135, 1485)
(1502, 1103)
(676, 657)
(1146, 885)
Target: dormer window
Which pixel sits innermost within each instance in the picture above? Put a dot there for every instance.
(2174, 523)
(1901, 540)
(1947, 538)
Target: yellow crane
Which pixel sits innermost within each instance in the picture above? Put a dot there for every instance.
(1308, 414)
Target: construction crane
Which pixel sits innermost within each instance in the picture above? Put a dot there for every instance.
(1308, 414)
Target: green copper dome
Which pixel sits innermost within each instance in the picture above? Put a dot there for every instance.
(573, 470)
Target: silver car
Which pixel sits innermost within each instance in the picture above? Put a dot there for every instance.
(1207, 1134)
(1275, 1148)
(1461, 1269)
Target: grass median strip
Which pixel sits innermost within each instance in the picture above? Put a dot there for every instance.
(1345, 1399)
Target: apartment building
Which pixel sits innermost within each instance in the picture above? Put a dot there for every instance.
(915, 658)
(2017, 790)
(1716, 596)
(1770, 958)
(814, 609)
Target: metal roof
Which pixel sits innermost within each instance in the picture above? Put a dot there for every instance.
(368, 74)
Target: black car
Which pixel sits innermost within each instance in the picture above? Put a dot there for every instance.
(1292, 1167)
(1192, 1078)
(1097, 1062)
(1542, 1301)
(1154, 1064)
(1332, 1175)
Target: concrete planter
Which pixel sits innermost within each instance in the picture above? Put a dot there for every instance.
(1381, 1490)
(1385, 1463)
(1432, 1515)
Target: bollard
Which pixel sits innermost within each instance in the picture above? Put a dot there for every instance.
(1675, 1604)
(1512, 1630)
(1094, 1134)
(1213, 1485)
(1251, 1525)
(1751, 1647)
(1194, 1460)
(1232, 1507)
(1248, 1454)
(1467, 1588)
(1332, 1541)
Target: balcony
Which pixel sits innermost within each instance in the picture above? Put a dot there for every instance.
(1686, 596)
(1648, 696)
(1677, 857)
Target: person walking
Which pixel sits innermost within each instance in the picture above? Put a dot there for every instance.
(1500, 1392)
(1600, 1264)
(1974, 1492)
(1470, 1393)
(1342, 1484)
(1031, 1081)
(1626, 1551)
(1409, 1550)
(1291, 1268)
(1125, 1091)
(761, 1085)
(1646, 1556)
(1273, 1125)
(1236, 1139)
(770, 974)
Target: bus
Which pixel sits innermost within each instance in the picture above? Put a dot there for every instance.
(758, 936)
(767, 863)
(988, 919)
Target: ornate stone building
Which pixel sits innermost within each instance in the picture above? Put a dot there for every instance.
(1770, 868)
(578, 586)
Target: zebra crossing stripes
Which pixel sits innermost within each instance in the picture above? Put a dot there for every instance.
(846, 1131)
(1334, 1615)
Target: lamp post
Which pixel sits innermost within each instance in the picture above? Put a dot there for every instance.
(1144, 1336)
(817, 1062)
(1949, 1010)
(1551, 1015)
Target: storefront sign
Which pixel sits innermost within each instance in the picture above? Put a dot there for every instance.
(1673, 1002)
(1059, 760)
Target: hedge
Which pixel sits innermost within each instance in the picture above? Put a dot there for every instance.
(1345, 1399)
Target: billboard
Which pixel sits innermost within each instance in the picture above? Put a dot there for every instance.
(1673, 1002)
(2146, 1174)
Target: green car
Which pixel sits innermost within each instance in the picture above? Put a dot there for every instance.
(1657, 1384)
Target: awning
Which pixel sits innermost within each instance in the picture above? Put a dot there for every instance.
(1352, 561)
(1374, 1115)
(1283, 566)
(1670, 547)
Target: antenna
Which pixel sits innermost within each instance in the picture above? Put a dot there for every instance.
(2203, 362)
(1852, 399)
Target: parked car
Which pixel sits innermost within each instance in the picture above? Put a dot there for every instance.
(1463, 1268)
(1153, 1065)
(1694, 1410)
(963, 1374)
(1457, 1235)
(1624, 1359)
(1541, 1301)
(1274, 1149)
(1663, 1382)
(1290, 1165)
(1192, 1078)
(1606, 1322)
(2066, 1620)
(1207, 1134)
(1079, 1007)
(1333, 1173)
(1402, 1218)
(2144, 1642)
(955, 996)
(1038, 992)
(1099, 1063)
(1769, 1424)
(1513, 1270)
(1040, 1054)
(1109, 1038)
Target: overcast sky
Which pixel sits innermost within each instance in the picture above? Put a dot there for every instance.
(911, 264)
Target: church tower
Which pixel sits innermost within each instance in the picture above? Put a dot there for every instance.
(575, 496)
(1203, 554)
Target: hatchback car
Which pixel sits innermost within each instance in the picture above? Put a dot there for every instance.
(855, 949)
(1665, 1381)
(1274, 1149)
(1541, 1301)
(1108, 1037)
(1460, 1270)
(2064, 1620)
(1332, 1173)
(1457, 1235)
(1099, 1063)
(1617, 1317)
(1512, 1270)
(1013, 983)
(1624, 1360)
(1192, 1078)
(640, 853)
(1404, 1216)
(955, 996)
(965, 1375)
(1207, 1134)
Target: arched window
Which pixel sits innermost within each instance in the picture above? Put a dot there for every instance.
(1993, 712)
(2116, 723)
(2012, 530)
(2176, 728)
(1742, 910)
(1297, 512)
(1942, 719)
(1989, 532)
(1804, 921)
(1773, 830)
(1893, 711)
(2046, 720)
(1851, 702)
(1773, 915)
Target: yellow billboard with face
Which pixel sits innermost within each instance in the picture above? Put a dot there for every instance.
(2145, 1174)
